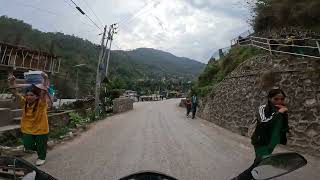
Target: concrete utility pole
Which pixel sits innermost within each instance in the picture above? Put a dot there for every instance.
(98, 77)
(112, 30)
(103, 64)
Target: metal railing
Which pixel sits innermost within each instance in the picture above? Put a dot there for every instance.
(243, 35)
(220, 53)
(308, 47)
(223, 51)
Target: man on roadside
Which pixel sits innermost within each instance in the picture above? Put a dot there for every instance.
(188, 106)
(194, 104)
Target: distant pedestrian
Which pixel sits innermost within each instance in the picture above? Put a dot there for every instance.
(34, 121)
(290, 42)
(188, 106)
(194, 104)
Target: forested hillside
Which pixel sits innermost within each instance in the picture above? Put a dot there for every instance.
(142, 64)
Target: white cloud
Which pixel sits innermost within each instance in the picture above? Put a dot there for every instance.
(190, 28)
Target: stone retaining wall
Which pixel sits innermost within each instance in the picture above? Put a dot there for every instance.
(57, 120)
(233, 103)
(122, 105)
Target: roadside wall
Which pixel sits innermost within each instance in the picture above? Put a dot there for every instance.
(122, 105)
(233, 103)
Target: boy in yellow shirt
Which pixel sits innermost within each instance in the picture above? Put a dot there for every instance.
(34, 122)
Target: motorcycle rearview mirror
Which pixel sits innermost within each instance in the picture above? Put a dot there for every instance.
(17, 168)
(278, 165)
(146, 175)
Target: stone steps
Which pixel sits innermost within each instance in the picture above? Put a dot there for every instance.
(9, 103)
(16, 113)
(16, 120)
(9, 116)
(9, 128)
(8, 134)
(5, 116)
(5, 103)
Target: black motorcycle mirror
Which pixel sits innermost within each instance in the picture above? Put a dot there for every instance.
(18, 169)
(147, 175)
(278, 165)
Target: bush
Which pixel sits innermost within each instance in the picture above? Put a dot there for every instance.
(58, 132)
(283, 13)
(209, 73)
(76, 119)
(216, 71)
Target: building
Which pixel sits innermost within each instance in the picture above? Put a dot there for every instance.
(19, 59)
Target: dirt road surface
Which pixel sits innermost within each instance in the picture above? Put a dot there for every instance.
(158, 136)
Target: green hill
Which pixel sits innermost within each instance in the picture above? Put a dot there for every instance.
(129, 66)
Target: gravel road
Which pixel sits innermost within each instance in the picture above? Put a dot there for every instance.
(157, 136)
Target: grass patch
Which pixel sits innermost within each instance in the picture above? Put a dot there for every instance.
(12, 142)
(76, 120)
(216, 71)
(58, 132)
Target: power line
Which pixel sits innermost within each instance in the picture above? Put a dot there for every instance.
(92, 11)
(68, 3)
(72, 7)
(126, 28)
(117, 45)
(145, 9)
(48, 12)
(93, 22)
(130, 16)
(83, 13)
(73, 2)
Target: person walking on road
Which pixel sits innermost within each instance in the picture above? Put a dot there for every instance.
(271, 129)
(34, 122)
(188, 106)
(194, 104)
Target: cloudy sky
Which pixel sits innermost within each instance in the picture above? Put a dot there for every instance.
(189, 28)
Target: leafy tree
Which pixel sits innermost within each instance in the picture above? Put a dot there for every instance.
(282, 13)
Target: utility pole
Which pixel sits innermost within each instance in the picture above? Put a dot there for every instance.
(98, 77)
(112, 31)
(77, 84)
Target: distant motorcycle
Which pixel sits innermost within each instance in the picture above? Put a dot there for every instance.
(268, 168)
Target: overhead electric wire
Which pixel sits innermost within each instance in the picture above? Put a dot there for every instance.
(142, 11)
(93, 22)
(126, 28)
(127, 21)
(49, 12)
(83, 13)
(73, 2)
(92, 11)
(130, 16)
(117, 45)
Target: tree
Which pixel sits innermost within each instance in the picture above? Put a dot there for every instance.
(282, 13)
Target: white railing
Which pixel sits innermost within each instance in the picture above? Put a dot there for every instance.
(221, 52)
(266, 44)
(247, 38)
